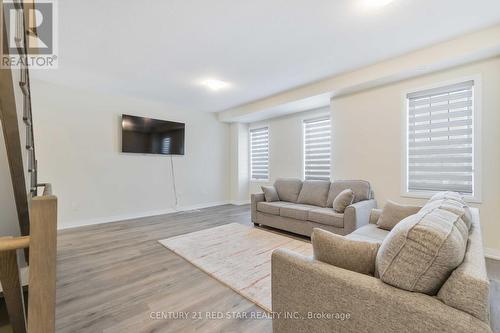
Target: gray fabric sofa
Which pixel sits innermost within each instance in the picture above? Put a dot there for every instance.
(307, 205)
(363, 303)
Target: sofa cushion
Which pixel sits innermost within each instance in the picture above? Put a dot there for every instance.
(326, 216)
(314, 192)
(457, 207)
(393, 213)
(343, 200)
(270, 193)
(370, 233)
(361, 189)
(421, 251)
(271, 207)
(353, 255)
(296, 211)
(288, 189)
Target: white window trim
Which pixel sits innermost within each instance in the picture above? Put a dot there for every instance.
(259, 181)
(476, 146)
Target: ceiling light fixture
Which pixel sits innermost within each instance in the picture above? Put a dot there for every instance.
(376, 3)
(214, 84)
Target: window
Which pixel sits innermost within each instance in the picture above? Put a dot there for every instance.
(259, 153)
(317, 137)
(440, 140)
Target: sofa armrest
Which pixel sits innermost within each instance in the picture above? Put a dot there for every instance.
(345, 301)
(358, 215)
(254, 199)
(375, 215)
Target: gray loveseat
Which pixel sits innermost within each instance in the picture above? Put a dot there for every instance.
(307, 205)
(364, 303)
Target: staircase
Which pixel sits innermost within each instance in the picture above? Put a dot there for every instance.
(35, 204)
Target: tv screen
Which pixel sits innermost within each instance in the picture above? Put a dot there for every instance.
(152, 136)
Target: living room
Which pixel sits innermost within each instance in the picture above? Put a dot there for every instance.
(252, 167)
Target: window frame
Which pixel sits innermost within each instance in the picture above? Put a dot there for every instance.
(476, 196)
(250, 129)
(304, 120)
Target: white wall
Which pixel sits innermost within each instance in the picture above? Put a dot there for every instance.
(367, 139)
(464, 49)
(238, 150)
(77, 135)
(285, 146)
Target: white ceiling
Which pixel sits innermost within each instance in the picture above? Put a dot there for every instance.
(161, 49)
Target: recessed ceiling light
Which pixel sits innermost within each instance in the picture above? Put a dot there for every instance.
(214, 84)
(376, 3)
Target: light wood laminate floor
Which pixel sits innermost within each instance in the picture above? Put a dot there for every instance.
(115, 277)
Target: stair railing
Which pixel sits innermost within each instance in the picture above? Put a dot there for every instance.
(37, 213)
(42, 243)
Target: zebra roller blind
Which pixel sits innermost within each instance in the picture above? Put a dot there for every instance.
(317, 137)
(440, 139)
(259, 153)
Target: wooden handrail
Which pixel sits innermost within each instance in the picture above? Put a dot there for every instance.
(42, 243)
(37, 215)
(14, 243)
(42, 277)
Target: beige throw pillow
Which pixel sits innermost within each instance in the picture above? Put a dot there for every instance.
(343, 199)
(393, 213)
(353, 255)
(421, 251)
(270, 193)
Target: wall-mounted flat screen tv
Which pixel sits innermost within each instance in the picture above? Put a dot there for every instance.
(152, 136)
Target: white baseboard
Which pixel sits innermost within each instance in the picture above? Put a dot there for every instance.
(492, 253)
(488, 252)
(203, 205)
(118, 218)
(239, 203)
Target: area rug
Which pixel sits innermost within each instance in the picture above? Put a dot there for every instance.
(237, 255)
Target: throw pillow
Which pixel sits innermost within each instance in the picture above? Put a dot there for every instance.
(270, 193)
(421, 252)
(393, 213)
(343, 199)
(353, 255)
(361, 188)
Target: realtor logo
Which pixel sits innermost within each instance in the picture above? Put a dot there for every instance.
(30, 36)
